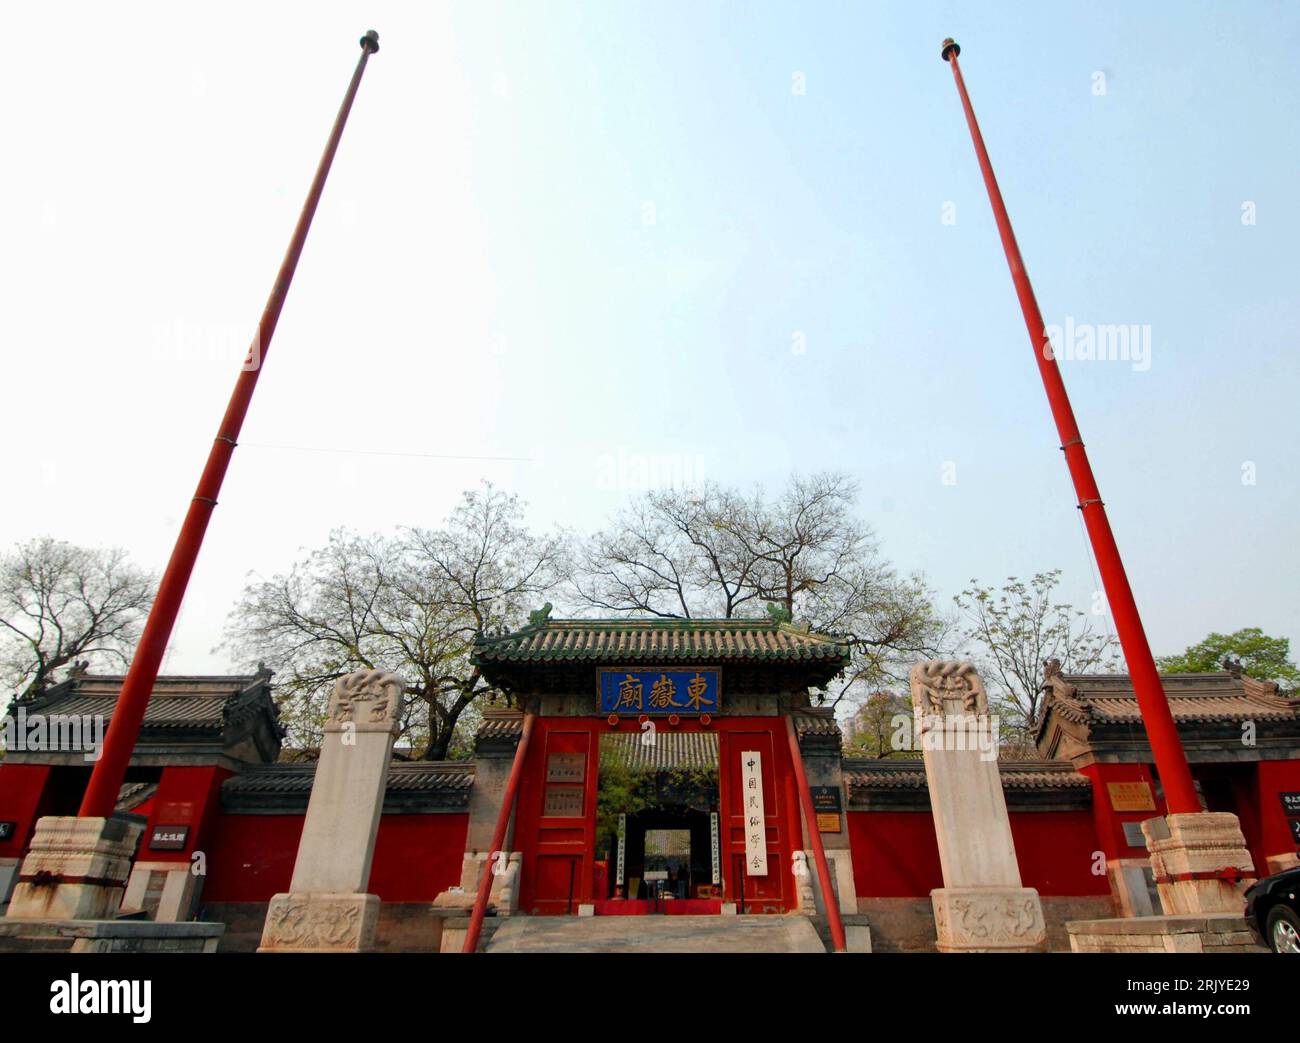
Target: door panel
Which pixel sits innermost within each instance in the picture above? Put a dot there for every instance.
(557, 813)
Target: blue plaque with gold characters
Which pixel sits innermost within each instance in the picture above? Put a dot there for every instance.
(660, 693)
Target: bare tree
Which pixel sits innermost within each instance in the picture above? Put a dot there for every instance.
(411, 603)
(62, 604)
(713, 552)
(1015, 632)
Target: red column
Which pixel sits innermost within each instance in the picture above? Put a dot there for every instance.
(1158, 719)
(124, 728)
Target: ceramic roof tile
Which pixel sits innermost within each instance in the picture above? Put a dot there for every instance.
(659, 640)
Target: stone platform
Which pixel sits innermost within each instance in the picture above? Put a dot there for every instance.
(1209, 933)
(108, 936)
(714, 934)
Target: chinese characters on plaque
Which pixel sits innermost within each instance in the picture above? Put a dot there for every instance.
(827, 807)
(660, 692)
(566, 767)
(751, 788)
(564, 797)
(563, 802)
(1131, 796)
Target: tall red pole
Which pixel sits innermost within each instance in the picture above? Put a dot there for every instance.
(1171, 761)
(829, 900)
(484, 892)
(124, 728)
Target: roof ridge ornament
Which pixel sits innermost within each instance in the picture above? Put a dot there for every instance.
(779, 613)
(540, 615)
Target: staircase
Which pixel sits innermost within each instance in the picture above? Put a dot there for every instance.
(790, 933)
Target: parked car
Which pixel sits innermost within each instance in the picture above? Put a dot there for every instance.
(1273, 910)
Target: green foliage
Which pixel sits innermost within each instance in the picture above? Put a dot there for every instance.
(876, 723)
(1263, 657)
(625, 791)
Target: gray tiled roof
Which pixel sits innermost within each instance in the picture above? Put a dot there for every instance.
(696, 751)
(909, 773)
(626, 641)
(412, 777)
(176, 702)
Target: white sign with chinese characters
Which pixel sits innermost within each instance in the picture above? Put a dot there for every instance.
(622, 848)
(714, 847)
(751, 782)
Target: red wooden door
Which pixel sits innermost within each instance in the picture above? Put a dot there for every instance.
(773, 892)
(556, 820)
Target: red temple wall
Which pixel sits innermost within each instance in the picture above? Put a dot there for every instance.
(186, 796)
(1274, 778)
(416, 857)
(21, 788)
(896, 855)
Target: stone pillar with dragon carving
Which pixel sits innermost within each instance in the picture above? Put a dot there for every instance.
(327, 908)
(982, 906)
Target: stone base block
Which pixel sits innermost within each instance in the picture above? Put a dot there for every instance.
(320, 923)
(808, 896)
(8, 878)
(456, 900)
(113, 936)
(988, 919)
(503, 899)
(1216, 933)
(857, 933)
(454, 933)
(1133, 887)
(167, 891)
(75, 869)
(1192, 847)
(1281, 863)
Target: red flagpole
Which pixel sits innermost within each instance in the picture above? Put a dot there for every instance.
(1171, 761)
(124, 728)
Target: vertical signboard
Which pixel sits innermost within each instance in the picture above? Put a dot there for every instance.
(715, 847)
(622, 847)
(751, 780)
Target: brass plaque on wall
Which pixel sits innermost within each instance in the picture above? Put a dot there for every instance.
(1131, 796)
(828, 822)
(563, 802)
(566, 767)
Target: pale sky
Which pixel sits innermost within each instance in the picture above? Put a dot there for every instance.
(702, 239)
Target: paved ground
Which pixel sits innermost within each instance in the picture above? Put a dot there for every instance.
(790, 933)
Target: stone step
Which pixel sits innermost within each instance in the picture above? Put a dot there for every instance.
(776, 934)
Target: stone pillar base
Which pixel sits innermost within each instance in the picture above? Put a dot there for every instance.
(314, 922)
(1281, 863)
(1130, 884)
(8, 878)
(75, 869)
(1218, 932)
(988, 919)
(503, 899)
(808, 884)
(1186, 850)
(167, 891)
